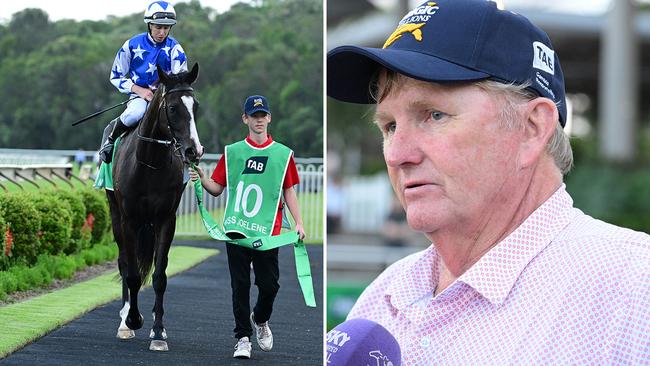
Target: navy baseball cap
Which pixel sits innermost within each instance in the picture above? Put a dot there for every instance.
(453, 41)
(256, 103)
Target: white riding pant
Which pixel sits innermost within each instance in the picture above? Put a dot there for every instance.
(134, 111)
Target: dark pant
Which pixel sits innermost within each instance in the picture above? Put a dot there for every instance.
(267, 274)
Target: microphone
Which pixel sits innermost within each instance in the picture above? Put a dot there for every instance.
(362, 342)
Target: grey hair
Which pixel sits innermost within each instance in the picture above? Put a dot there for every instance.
(558, 147)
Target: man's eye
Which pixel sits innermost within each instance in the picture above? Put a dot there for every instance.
(390, 127)
(437, 115)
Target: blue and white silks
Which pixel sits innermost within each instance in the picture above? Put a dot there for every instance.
(135, 63)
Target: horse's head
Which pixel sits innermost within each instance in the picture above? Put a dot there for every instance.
(179, 112)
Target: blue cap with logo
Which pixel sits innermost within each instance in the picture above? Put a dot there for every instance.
(453, 41)
(256, 103)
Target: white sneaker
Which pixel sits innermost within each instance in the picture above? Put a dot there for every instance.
(243, 348)
(263, 334)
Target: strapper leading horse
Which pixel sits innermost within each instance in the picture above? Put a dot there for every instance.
(148, 170)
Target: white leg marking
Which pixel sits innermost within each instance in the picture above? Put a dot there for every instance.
(123, 314)
(123, 332)
(194, 135)
(151, 334)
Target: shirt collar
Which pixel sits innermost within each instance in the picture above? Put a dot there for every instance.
(266, 143)
(150, 40)
(495, 274)
(414, 279)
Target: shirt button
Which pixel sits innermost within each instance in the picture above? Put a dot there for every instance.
(425, 341)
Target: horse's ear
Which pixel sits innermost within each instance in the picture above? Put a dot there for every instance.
(193, 74)
(162, 76)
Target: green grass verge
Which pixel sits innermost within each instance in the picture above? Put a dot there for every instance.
(28, 320)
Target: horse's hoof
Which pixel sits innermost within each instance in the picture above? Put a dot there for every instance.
(158, 346)
(125, 333)
(152, 334)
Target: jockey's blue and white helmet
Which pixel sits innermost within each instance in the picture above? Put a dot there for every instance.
(160, 12)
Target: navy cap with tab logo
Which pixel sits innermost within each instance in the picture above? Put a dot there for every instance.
(453, 41)
(256, 103)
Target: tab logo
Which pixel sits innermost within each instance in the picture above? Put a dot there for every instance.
(255, 165)
(257, 243)
(544, 58)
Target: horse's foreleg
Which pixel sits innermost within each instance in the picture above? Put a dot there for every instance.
(123, 332)
(133, 319)
(158, 334)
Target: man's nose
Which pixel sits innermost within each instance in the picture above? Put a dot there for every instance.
(403, 147)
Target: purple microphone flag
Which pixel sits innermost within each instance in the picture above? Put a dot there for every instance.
(361, 342)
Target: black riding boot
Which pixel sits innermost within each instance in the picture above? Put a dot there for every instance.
(106, 152)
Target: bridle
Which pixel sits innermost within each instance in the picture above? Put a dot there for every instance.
(164, 104)
(168, 143)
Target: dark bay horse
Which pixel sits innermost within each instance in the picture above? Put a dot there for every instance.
(148, 170)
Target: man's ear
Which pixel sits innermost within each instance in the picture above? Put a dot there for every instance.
(243, 119)
(541, 119)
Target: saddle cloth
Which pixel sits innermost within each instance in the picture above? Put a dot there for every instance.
(104, 178)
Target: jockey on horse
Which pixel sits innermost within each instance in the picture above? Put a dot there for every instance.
(134, 69)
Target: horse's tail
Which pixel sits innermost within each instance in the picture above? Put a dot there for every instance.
(146, 248)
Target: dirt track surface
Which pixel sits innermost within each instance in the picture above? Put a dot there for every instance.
(198, 320)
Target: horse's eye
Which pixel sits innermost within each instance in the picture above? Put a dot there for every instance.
(172, 108)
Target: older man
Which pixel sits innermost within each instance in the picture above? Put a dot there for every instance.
(470, 101)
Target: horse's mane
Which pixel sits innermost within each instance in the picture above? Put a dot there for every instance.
(152, 110)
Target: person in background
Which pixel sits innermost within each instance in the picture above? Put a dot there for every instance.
(79, 158)
(470, 101)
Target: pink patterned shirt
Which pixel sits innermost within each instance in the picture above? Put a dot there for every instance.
(562, 289)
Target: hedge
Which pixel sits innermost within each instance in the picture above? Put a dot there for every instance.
(24, 221)
(3, 240)
(79, 237)
(97, 205)
(51, 221)
(48, 267)
(56, 222)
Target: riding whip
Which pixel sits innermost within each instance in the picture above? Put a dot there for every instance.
(102, 111)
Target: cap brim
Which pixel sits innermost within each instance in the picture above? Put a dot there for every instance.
(350, 70)
(260, 109)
